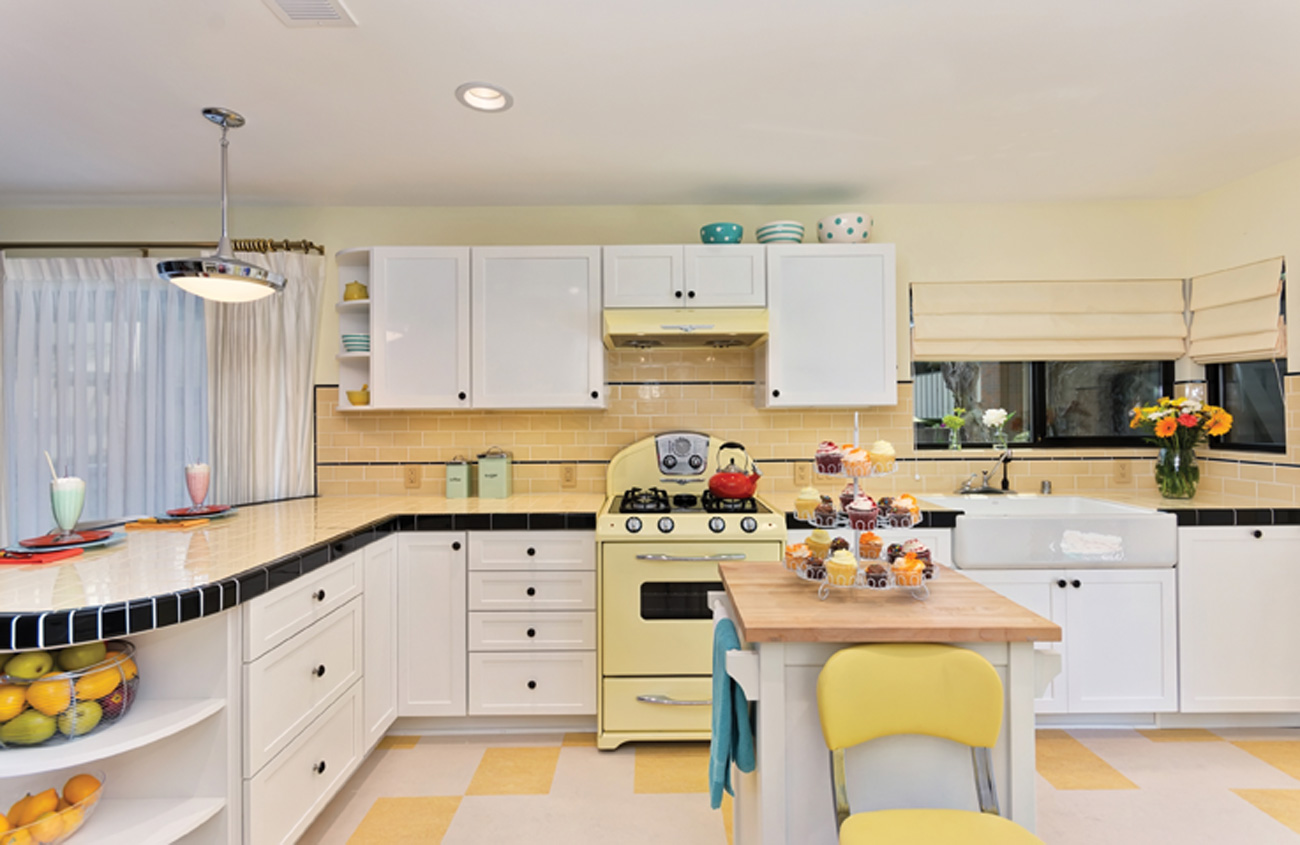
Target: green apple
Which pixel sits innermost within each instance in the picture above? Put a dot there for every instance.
(31, 727)
(81, 719)
(80, 656)
(29, 665)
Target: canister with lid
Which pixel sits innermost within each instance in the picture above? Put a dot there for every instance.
(458, 478)
(494, 474)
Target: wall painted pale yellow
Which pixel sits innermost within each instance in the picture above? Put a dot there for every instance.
(1135, 239)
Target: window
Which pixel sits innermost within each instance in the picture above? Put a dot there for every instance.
(1056, 403)
(1253, 392)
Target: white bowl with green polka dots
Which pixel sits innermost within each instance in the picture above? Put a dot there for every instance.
(847, 227)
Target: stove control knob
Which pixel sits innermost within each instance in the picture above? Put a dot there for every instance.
(633, 524)
(666, 524)
(670, 461)
(717, 525)
(749, 525)
(696, 462)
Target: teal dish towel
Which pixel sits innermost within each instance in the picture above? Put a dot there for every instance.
(733, 735)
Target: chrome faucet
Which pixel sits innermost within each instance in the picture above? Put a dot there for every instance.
(969, 486)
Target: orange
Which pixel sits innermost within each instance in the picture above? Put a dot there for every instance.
(96, 684)
(127, 665)
(13, 700)
(4, 824)
(40, 804)
(79, 788)
(73, 817)
(19, 811)
(47, 827)
(16, 837)
(50, 697)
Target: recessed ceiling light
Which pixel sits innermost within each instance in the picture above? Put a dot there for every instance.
(484, 97)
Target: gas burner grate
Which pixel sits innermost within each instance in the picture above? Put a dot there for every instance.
(717, 504)
(636, 500)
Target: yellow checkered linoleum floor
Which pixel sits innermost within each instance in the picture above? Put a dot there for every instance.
(1120, 787)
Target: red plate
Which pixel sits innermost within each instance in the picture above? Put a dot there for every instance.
(206, 510)
(54, 541)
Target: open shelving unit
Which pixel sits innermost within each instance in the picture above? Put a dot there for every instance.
(144, 821)
(354, 318)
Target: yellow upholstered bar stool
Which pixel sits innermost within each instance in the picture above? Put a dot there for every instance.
(872, 691)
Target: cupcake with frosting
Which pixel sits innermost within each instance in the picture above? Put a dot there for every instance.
(819, 543)
(796, 556)
(857, 462)
(862, 513)
(847, 495)
(842, 569)
(829, 458)
(877, 577)
(825, 513)
(909, 571)
(815, 569)
(870, 546)
(805, 502)
(882, 456)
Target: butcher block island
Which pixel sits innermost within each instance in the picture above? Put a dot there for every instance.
(788, 633)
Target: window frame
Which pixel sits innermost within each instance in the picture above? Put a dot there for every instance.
(1214, 396)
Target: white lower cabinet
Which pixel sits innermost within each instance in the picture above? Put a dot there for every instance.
(380, 603)
(284, 797)
(431, 624)
(1238, 590)
(549, 682)
(1119, 642)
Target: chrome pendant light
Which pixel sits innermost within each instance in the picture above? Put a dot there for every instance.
(221, 277)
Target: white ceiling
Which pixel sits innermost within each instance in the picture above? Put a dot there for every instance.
(637, 102)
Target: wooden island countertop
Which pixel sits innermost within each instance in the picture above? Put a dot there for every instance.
(773, 605)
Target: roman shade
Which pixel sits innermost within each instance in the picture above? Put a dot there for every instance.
(1237, 314)
(1132, 320)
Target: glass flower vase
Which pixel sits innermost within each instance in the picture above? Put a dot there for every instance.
(954, 438)
(1177, 473)
(1000, 441)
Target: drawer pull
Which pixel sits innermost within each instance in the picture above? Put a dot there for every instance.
(455, 547)
(531, 551)
(532, 632)
(532, 591)
(1076, 583)
(319, 671)
(1257, 533)
(532, 685)
(319, 768)
(673, 702)
(739, 556)
(1061, 583)
(319, 595)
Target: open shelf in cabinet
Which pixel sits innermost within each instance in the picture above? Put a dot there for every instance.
(137, 821)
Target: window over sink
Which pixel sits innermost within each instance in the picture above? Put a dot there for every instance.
(1254, 392)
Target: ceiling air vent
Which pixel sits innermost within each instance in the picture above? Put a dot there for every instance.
(312, 12)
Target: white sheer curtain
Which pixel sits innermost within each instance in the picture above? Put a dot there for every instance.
(261, 367)
(105, 366)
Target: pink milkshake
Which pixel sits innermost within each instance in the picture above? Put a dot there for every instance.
(196, 481)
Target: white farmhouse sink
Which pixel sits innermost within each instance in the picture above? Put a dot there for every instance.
(1042, 532)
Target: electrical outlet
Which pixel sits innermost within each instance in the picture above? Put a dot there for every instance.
(1123, 472)
(568, 475)
(412, 476)
(802, 474)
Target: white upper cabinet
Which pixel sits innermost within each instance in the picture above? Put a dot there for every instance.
(685, 276)
(831, 327)
(420, 327)
(536, 336)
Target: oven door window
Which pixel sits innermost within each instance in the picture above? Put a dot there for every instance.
(670, 600)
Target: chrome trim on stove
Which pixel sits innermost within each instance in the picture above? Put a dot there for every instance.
(691, 557)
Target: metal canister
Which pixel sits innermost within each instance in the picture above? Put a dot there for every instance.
(494, 474)
(458, 478)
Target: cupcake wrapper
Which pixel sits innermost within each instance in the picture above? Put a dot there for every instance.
(830, 464)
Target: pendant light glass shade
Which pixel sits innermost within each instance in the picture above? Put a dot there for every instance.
(221, 277)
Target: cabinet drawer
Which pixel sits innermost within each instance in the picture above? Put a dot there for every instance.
(532, 682)
(532, 591)
(623, 712)
(272, 618)
(532, 631)
(531, 550)
(293, 683)
(285, 797)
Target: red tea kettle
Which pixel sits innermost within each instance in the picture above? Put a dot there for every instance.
(732, 482)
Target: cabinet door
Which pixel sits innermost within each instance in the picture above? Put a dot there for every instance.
(380, 701)
(643, 276)
(831, 327)
(1237, 599)
(1123, 641)
(537, 333)
(729, 276)
(419, 333)
(1040, 591)
(431, 624)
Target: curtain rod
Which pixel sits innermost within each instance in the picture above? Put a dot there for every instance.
(247, 245)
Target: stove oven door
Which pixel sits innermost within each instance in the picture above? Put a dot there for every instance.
(655, 617)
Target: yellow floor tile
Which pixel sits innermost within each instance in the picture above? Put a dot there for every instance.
(406, 821)
(515, 771)
(663, 767)
(1280, 754)
(1067, 763)
(398, 742)
(1281, 804)
(580, 739)
(1180, 735)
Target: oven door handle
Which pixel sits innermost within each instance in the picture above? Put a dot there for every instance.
(736, 556)
(673, 702)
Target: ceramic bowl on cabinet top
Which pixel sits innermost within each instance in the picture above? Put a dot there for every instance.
(721, 233)
(780, 231)
(847, 227)
(359, 397)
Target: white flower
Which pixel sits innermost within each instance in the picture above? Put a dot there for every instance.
(995, 417)
(1191, 406)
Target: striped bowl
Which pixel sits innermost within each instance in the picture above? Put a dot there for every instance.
(780, 231)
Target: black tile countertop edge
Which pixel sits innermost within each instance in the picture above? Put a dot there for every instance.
(929, 519)
(57, 628)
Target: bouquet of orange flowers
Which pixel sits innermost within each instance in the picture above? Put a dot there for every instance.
(1181, 423)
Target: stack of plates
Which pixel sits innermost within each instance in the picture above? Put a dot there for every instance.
(356, 343)
(780, 232)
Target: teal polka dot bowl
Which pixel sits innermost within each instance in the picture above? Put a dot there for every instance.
(721, 233)
(847, 227)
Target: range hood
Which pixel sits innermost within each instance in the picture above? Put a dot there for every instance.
(685, 328)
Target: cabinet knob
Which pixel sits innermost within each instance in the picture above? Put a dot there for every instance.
(595, 394)
(319, 768)
(532, 632)
(339, 548)
(319, 595)
(319, 671)
(1257, 533)
(531, 551)
(677, 294)
(532, 591)
(532, 685)
(455, 547)
(1061, 583)
(461, 396)
(1076, 583)
(776, 393)
(690, 295)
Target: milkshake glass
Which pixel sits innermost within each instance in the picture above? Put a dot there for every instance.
(196, 481)
(67, 497)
